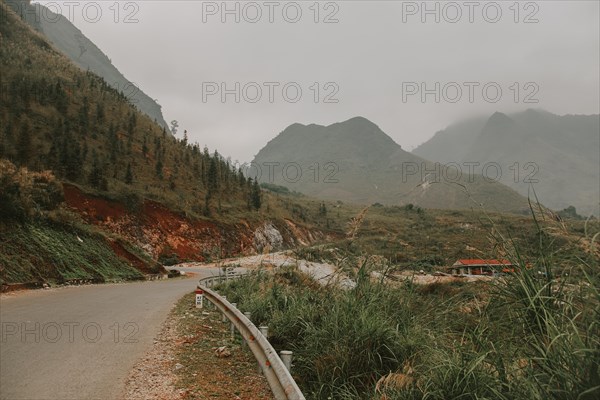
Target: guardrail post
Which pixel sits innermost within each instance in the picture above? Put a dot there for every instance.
(286, 358)
(224, 319)
(275, 371)
(247, 315)
(264, 330)
(232, 326)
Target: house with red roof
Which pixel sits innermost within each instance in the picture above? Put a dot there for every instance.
(477, 266)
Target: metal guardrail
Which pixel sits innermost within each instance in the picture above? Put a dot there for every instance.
(279, 378)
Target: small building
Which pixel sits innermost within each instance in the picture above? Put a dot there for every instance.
(477, 266)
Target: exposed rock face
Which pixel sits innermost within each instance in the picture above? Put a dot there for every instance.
(267, 237)
(160, 231)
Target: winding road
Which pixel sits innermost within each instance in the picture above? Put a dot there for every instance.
(81, 342)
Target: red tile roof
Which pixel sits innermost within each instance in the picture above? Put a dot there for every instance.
(478, 261)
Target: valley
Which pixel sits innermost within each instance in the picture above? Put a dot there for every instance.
(465, 268)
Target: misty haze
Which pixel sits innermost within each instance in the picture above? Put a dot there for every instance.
(299, 199)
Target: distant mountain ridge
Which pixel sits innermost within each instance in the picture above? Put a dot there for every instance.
(356, 161)
(557, 156)
(84, 53)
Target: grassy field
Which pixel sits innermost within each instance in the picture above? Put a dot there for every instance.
(532, 335)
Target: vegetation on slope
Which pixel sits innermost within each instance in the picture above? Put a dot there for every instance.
(526, 336)
(56, 117)
(527, 145)
(355, 161)
(44, 242)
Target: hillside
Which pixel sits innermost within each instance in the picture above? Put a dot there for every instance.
(79, 161)
(559, 155)
(355, 161)
(69, 40)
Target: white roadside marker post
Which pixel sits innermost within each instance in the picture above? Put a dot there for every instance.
(199, 298)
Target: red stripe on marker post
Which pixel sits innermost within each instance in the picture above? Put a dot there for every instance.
(199, 298)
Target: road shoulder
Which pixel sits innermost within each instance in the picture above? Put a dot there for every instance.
(185, 362)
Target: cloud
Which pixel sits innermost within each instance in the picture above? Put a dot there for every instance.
(364, 58)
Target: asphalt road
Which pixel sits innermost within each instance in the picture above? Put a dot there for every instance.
(81, 342)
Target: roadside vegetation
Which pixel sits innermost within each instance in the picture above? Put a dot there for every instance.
(532, 335)
(212, 363)
(42, 242)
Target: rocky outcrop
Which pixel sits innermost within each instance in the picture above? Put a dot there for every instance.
(164, 233)
(267, 238)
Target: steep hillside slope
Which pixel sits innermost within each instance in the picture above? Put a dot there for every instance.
(557, 156)
(357, 162)
(448, 145)
(132, 193)
(67, 38)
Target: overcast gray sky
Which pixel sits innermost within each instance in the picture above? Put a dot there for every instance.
(375, 61)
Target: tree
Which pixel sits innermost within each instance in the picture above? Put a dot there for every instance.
(95, 176)
(213, 182)
(159, 169)
(322, 209)
(255, 196)
(24, 145)
(99, 113)
(145, 146)
(570, 213)
(174, 127)
(184, 141)
(84, 121)
(128, 175)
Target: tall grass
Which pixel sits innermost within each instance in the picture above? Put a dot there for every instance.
(532, 335)
(343, 341)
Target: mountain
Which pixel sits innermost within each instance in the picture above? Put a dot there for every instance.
(448, 145)
(557, 156)
(92, 189)
(69, 40)
(356, 161)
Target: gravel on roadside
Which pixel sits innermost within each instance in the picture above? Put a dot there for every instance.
(194, 357)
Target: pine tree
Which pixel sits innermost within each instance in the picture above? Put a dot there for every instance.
(95, 176)
(159, 169)
(129, 175)
(206, 209)
(213, 182)
(145, 146)
(99, 113)
(255, 195)
(24, 145)
(322, 209)
(84, 121)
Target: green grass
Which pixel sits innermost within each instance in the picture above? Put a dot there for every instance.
(531, 335)
(42, 252)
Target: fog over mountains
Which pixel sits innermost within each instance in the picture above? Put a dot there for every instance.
(356, 161)
(534, 152)
(84, 53)
(558, 155)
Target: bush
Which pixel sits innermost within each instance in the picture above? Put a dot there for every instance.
(168, 259)
(25, 194)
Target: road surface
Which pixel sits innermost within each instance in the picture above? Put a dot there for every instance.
(81, 342)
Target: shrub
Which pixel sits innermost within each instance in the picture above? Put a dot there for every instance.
(25, 194)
